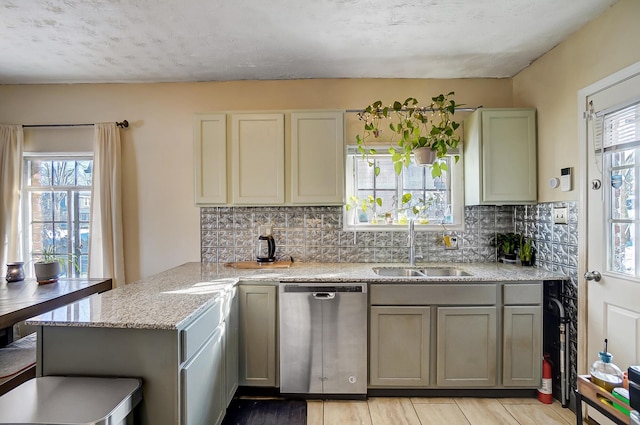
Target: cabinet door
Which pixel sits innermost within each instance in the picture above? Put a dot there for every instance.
(317, 158)
(231, 348)
(522, 349)
(399, 346)
(466, 347)
(500, 157)
(210, 157)
(257, 335)
(257, 158)
(202, 384)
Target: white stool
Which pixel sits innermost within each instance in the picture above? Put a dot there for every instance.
(64, 400)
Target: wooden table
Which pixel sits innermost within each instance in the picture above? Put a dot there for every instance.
(22, 300)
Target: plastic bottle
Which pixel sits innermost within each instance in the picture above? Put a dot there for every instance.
(604, 373)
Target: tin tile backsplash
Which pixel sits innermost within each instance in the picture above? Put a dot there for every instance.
(314, 234)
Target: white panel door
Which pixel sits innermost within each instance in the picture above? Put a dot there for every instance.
(613, 221)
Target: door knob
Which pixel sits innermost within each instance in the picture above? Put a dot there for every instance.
(594, 275)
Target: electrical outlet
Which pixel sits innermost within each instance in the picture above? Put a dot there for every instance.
(560, 215)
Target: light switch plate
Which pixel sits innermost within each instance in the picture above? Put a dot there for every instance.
(560, 215)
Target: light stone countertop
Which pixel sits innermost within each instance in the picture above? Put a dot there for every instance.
(170, 299)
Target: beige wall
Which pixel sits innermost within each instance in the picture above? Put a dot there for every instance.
(551, 84)
(161, 223)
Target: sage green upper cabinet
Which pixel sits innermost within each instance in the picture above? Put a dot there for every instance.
(257, 159)
(269, 158)
(317, 157)
(210, 156)
(500, 166)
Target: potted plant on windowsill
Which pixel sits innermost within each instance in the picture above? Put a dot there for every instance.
(362, 206)
(415, 131)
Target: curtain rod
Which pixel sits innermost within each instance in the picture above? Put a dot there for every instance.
(426, 109)
(123, 124)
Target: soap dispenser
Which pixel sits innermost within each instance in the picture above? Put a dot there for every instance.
(604, 373)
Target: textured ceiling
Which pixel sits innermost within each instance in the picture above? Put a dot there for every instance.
(69, 41)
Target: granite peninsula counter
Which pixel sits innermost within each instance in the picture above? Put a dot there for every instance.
(170, 299)
(181, 331)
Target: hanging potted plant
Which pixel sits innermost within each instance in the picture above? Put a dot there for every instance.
(425, 133)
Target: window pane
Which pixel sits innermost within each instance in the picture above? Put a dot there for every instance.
(61, 235)
(64, 173)
(413, 178)
(623, 245)
(387, 178)
(83, 244)
(40, 205)
(365, 174)
(626, 157)
(40, 173)
(60, 206)
(85, 173)
(623, 188)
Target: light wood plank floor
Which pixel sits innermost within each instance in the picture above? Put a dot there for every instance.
(437, 411)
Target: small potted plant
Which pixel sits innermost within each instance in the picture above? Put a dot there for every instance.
(508, 244)
(526, 252)
(47, 268)
(415, 131)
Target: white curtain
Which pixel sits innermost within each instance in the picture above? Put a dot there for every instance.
(11, 146)
(106, 247)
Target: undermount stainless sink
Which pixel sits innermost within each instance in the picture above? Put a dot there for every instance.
(419, 272)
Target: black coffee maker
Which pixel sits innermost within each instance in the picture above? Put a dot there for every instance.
(266, 248)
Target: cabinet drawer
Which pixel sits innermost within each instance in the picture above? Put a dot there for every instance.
(522, 293)
(431, 294)
(196, 333)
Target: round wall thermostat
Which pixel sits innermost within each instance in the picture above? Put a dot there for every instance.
(554, 182)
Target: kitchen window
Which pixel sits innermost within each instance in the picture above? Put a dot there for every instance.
(433, 203)
(56, 209)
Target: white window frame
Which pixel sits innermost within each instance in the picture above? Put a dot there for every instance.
(457, 199)
(26, 211)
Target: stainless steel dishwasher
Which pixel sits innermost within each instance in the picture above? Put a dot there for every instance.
(323, 338)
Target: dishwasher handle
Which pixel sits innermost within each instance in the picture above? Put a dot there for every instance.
(324, 295)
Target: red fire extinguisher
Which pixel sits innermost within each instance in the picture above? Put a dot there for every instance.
(545, 392)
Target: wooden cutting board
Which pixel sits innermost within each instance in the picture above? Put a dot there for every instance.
(255, 265)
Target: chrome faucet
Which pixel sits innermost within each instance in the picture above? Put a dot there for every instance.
(411, 243)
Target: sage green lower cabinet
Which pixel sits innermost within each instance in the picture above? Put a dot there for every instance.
(258, 347)
(522, 335)
(202, 383)
(457, 335)
(399, 346)
(466, 347)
